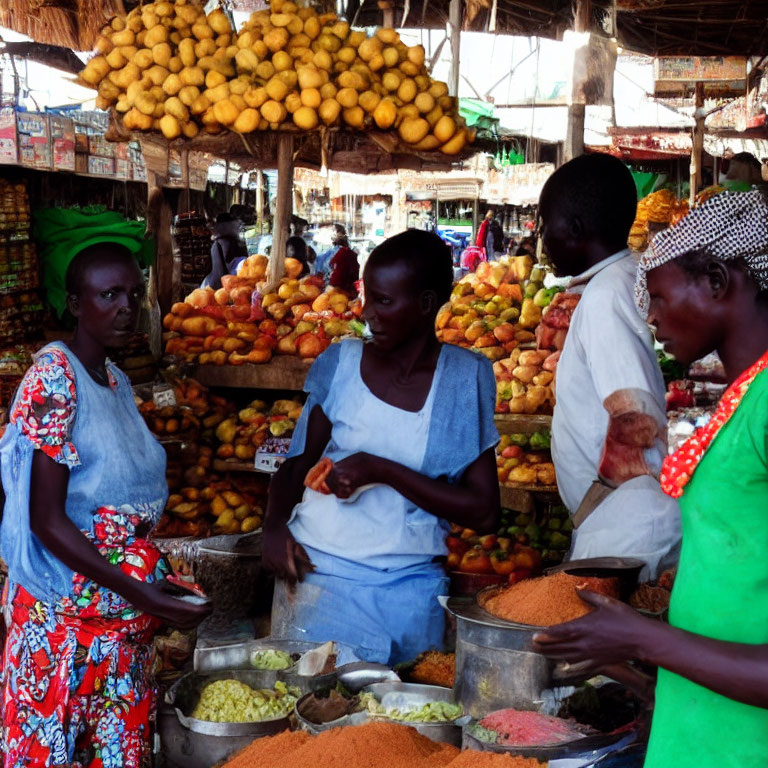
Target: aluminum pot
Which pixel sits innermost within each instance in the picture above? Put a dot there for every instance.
(447, 733)
(192, 743)
(496, 666)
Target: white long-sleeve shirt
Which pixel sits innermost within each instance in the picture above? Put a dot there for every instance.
(608, 348)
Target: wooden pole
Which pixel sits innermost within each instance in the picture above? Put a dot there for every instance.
(454, 33)
(698, 143)
(574, 137)
(282, 207)
(260, 201)
(165, 270)
(185, 204)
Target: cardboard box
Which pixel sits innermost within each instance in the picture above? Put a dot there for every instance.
(9, 147)
(121, 151)
(122, 169)
(138, 171)
(100, 147)
(81, 163)
(101, 166)
(63, 139)
(34, 140)
(81, 140)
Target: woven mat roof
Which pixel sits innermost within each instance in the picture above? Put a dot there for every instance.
(69, 23)
(656, 27)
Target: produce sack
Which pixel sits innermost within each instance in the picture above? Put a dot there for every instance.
(61, 233)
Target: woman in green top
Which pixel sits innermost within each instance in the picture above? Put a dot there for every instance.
(704, 286)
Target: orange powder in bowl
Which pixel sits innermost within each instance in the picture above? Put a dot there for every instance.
(547, 600)
(373, 745)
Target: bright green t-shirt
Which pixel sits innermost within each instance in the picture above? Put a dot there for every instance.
(721, 591)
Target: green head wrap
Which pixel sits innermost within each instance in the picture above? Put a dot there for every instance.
(61, 233)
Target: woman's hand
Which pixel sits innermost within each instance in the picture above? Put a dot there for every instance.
(156, 599)
(283, 556)
(351, 473)
(612, 633)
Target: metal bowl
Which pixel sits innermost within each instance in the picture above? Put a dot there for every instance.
(356, 718)
(586, 748)
(237, 656)
(447, 733)
(192, 743)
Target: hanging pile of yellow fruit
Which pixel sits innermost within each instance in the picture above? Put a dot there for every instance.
(167, 66)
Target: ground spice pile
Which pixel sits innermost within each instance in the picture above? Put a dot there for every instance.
(547, 600)
(373, 745)
(435, 668)
(473, 759)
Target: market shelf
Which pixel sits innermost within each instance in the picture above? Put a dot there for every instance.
(223, 465)
(280, 373)
(522, 422)
(521, 497)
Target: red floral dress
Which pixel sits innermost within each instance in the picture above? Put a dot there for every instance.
(76, 683)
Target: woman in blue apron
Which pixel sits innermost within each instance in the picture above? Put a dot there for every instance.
(408, 424)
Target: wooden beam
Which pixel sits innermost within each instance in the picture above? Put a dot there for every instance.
(283, 207)
(698, 143)
(574, 138)
(454, 34)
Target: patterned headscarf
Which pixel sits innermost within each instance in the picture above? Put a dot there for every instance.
(732, 225)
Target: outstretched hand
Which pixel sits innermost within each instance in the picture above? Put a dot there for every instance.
(612, 633)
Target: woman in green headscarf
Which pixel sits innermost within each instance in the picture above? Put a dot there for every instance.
(704, 286)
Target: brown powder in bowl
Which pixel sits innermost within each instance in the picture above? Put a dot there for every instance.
(473, 759)
(547, 600)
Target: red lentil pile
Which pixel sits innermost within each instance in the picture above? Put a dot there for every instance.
(373, 745)
(547, 600)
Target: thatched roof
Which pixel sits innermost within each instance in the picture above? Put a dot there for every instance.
(657, 27)
(70, 23)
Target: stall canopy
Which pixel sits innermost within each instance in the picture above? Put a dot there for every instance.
(656, 27)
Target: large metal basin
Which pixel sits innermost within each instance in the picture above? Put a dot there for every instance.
(193, 743)
(496, 666)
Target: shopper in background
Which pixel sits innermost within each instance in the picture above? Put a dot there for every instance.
(527, 247)
(704, 285)
(610, 420)
(296, 248)
(483, 229)
(299, 228)
(228, 250)
(494, 240)
(408, 424)
(85, 483)
(744, 172)
(338, 240)
(345, 270)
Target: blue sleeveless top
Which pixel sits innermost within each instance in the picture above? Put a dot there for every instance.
(118, 464)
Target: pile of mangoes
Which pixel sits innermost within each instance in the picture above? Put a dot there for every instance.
(167, 66)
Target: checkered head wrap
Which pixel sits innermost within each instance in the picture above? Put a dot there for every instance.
(729, 226)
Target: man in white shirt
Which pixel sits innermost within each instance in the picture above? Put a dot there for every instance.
(608, 431)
